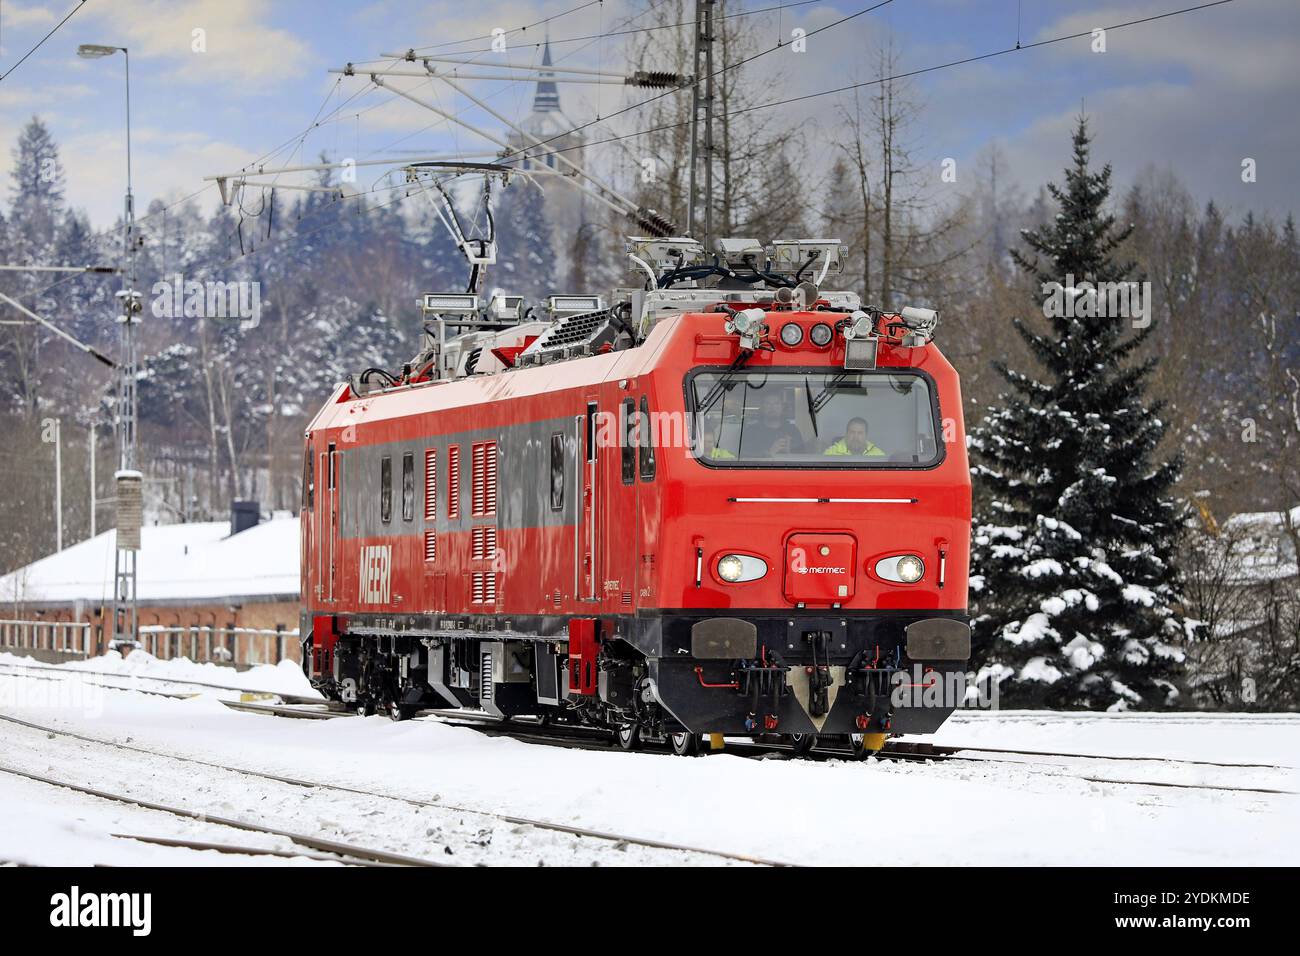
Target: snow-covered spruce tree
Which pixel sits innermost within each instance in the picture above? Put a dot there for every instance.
(1073, 584)
(525, 255)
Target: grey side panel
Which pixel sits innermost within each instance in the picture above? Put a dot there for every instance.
(523, 481)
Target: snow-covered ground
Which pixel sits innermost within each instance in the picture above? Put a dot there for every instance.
(990, 808)
(283, 678)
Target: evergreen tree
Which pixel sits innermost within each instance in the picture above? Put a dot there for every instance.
(525, 257)
(1076, 596)
(36, 189)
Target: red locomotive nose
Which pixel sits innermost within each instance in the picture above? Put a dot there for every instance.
(820, 569)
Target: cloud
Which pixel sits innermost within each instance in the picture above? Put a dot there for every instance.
(164, 161)
(18, 15)
(230, 42)
(36, 99)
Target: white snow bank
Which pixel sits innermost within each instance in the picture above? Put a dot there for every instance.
(283, 678)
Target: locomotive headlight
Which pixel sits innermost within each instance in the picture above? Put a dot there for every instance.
(903, 568)
(730, 567)
(821, 335)
(735, 568)
(791, 334)
(910, 568)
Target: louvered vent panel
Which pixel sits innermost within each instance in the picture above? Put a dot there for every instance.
(483, 479)
(483, 542)
(490, 483)
(478, 484)
(430, 544)
(453, 481)
(483, 587)
(430, 484)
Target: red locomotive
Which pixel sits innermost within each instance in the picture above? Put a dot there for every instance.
(728, 503)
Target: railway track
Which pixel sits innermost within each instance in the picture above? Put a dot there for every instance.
(590, 739)
(614, 839)
(344, 852)
(905, 752)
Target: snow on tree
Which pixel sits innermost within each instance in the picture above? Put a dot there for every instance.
(1076, 530)
(525, 257)
(36, 216)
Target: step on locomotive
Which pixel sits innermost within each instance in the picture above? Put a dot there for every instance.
(721, 501)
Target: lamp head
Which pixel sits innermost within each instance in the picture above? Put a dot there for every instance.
(93, 51)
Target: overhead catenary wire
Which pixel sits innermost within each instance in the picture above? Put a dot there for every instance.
(667, 126)
(43, 39)
(879, 80)
(609, 34)
(724, 69)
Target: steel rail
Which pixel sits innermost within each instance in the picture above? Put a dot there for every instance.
(302, 839)
(412, 801)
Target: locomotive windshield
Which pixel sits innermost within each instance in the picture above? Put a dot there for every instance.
(814, 418)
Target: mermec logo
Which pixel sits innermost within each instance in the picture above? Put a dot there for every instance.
(74, 909)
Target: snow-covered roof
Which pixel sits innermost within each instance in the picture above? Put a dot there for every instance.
(1262, 545)
(1263, 519)
(176, 563)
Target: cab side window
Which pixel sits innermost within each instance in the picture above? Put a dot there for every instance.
(646, 447)
(629, 441)
(408, 486)
(386, 489)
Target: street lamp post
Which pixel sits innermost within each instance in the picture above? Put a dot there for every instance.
(128, 479)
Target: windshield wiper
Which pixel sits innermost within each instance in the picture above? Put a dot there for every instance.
(825, 395)
(812, 409)
(725, 383)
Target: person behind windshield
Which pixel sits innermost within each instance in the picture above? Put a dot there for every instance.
(771, 434)
(855, 441)
(709, 444)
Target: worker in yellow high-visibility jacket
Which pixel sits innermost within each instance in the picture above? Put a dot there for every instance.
(709, 447)
(855, 441)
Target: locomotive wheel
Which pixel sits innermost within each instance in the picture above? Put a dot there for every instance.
(801, 744)
(685, 745)
(629, 736)
(400, 711)
(864, 745)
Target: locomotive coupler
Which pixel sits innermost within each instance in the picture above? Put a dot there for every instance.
(819, 673)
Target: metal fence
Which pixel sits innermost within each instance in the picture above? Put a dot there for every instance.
(226, 645)
(59, 637)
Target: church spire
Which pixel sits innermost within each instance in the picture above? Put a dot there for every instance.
(547, 98)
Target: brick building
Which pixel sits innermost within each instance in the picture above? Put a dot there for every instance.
(203, 592)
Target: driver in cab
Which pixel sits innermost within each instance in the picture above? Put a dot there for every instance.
(772, 434)
(855, 441)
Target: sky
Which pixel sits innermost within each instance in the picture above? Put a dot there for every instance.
(216, 84)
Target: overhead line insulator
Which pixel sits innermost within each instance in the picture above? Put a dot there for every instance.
(653, 223)
(656, 80)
